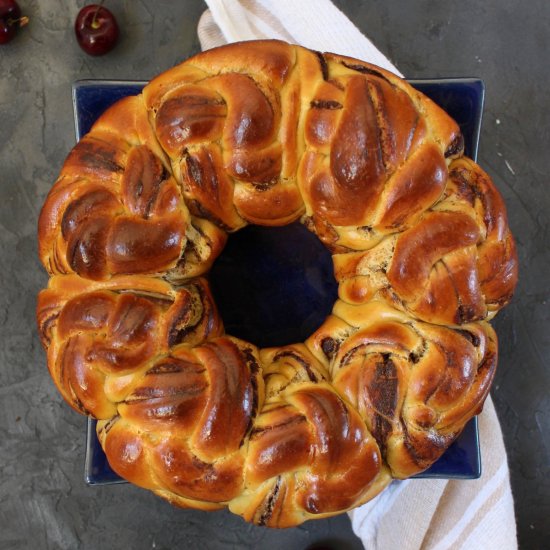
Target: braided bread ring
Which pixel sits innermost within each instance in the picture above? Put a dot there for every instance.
(267, 133)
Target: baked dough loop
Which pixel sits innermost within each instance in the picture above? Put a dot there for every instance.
(268, 133)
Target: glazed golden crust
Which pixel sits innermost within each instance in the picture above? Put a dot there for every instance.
(444, 268)
(267, 133)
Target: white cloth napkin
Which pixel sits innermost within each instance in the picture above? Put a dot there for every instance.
(412, 514)
(315, 24)
(442, 514)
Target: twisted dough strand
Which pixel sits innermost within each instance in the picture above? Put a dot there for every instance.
(267, 133)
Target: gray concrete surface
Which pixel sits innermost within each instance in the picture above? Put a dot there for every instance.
(43, 500)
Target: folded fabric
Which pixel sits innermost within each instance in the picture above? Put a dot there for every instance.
(443, 514)
(413, 514)
(315, 24)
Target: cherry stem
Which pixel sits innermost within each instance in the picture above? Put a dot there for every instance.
(95, 24)
(22, 21)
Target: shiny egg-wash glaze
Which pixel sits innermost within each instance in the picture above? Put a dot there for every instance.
(268, 133)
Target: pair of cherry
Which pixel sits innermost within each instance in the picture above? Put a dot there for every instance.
(95, 26)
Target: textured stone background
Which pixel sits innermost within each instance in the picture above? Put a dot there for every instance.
(43, 500)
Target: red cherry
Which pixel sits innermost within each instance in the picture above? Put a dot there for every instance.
(10, 20)
(96, 29)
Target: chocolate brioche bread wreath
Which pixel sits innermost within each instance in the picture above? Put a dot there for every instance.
(267, 133)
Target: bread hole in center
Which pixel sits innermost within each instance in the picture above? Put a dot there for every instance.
(273, 285)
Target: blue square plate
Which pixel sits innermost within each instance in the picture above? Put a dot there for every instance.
(462, 98)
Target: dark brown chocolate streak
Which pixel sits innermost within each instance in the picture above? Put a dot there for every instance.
(501, 302)
(456, 146)
(366, 228)
(280, 406)
(152, 394)
(417, 459)
(299, 359)
(325, 104)
(458, 175)
(415, 356)
(150, 202)
(465, 314)
(97, 157)
(254, 369)
(165, 173)
(62, 374)
(457, 316)
(348, 356)
(80, 406)
(385, 140)
(177, 335)
(482, 196)
(194, 167)
(472, 338)
(323, 64)
(197, 209)
(270, 504)
(489, 358)
(152, 199)
(366, 70)
(383, 392)
(450, 364)
(264, 186)
(380, 128)
(168, 367)
(190, 248)
(329, 346)
(119, 327)
(464, 189)
(108, 426)
(45, 327)
(205, 467)
(294, 420)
